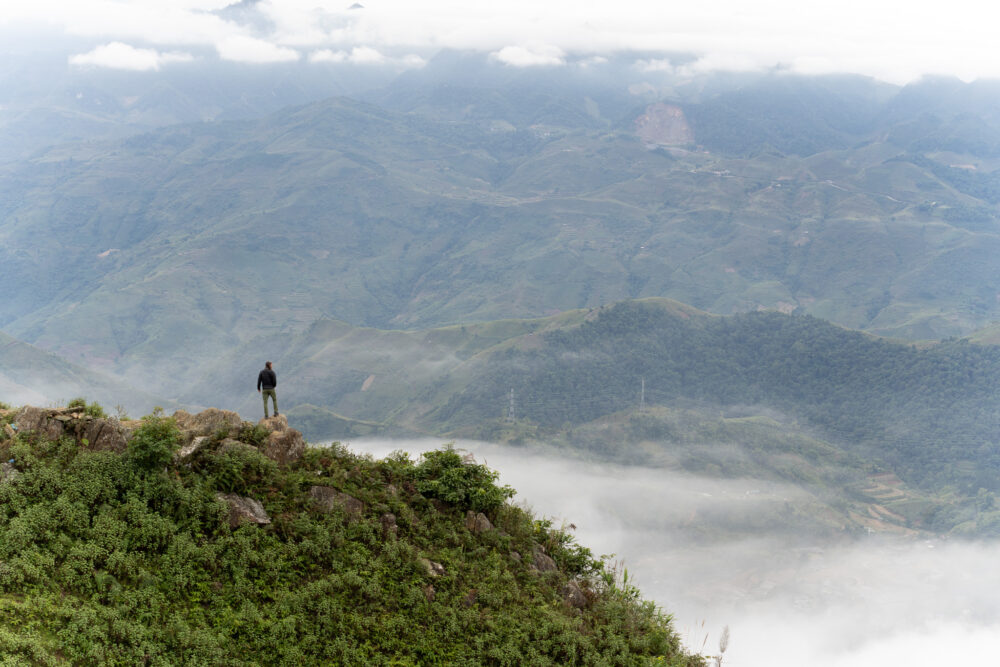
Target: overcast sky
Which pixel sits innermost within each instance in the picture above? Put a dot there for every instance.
(895, 41)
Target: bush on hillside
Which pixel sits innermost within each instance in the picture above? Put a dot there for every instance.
(152, 444)
(445, 475)
(92, 409)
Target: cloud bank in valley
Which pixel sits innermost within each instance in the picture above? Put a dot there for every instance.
(789, 599)
(895, 41)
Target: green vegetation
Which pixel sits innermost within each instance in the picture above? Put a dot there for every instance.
(443, 474)
(93, 409)
(929, 414)
(130, 559)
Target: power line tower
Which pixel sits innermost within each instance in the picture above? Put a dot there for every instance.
(510, 408)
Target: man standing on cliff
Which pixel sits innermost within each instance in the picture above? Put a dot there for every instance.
(268, 380)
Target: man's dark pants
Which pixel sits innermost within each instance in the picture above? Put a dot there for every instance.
(274, 399)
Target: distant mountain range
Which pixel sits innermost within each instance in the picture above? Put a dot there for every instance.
(870, 206)
(387, 252)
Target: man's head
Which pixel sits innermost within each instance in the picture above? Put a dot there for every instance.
(267, 365)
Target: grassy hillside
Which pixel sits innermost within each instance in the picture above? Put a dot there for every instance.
(141, 557)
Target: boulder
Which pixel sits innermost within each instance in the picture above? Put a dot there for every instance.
(327, 499)
(573, 595)
(275, 423)
(105, 435)
(431, 568)
(542, 561)
(477, 523)
(207, 422)
(8, 472)
(244, 510)
(38, 420)
(190, 449)
(286, 446)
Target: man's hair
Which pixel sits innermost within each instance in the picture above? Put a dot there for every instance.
(267, 364)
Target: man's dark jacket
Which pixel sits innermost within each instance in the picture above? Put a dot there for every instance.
(267, 379)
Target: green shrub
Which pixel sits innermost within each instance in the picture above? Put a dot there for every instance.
(240, 470)
(253, 434)
(443, 474)
(153, 443)
(92, 409)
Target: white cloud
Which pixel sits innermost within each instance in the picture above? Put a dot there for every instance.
(241, 48)
(530, 56)
(117, 55)
(592, 61)
(328, 56)
(363, 55)
(412, 61)
(893, 40)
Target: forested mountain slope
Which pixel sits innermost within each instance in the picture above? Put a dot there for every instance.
(928, 412)
(931, 413)
(151, 255)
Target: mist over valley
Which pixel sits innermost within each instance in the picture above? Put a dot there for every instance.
(719, 553)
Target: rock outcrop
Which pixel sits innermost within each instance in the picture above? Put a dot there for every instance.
(432, 568)
(192, 448)
(8, 472)
(574, 595)
(477, 522)
(95, 433)
(284, 445)
(327, 499)
(41, 421)
(207, 422)
(542, 561)
(244, 510)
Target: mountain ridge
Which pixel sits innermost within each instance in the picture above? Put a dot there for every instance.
(393, 220)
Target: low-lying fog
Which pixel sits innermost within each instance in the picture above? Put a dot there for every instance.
(788, 598)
